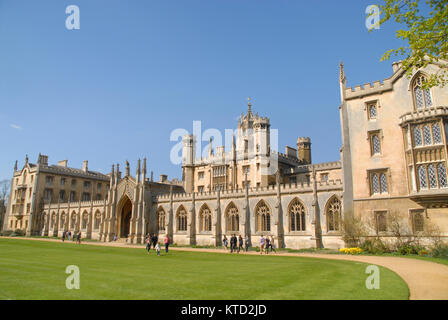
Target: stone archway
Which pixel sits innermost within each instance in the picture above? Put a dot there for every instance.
(125, 218)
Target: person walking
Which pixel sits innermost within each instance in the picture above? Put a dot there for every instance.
(233, 243)
(225, 242)
(240, 243)
(167, 243)
(148, 244)
(157, 248)
(247, 243)
(69, 235)
(155, 240)
(262, 243)
(78, 237)
(63, 236)
(268, 244)
(273, 244)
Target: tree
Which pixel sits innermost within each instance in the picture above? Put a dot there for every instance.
(426, 34)
(4, 192)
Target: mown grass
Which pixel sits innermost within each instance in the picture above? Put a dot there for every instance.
(36, 270)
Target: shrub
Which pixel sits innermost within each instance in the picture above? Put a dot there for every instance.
(440, 251)
(7, 233)
(409, 248)
(375, 246)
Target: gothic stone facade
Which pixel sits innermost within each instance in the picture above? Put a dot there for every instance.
(393, 160)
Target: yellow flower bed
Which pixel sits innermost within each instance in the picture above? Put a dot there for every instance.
(350, 250)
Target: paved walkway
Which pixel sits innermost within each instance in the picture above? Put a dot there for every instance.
(426, 280)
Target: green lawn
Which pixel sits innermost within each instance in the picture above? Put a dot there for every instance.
(36, 270)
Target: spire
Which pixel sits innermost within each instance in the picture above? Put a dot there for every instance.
(144, 166)
(341, 72)
(249, 106)
(128, 169)
(26, 159)
(112, 176)
(137, 173)
(15, 166)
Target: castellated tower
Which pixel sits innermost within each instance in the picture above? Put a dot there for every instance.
(304, 149)
(188, 156)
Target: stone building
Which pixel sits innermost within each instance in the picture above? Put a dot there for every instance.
(393, 159)
(394, 153)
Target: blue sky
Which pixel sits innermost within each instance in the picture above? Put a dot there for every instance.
(115, 89)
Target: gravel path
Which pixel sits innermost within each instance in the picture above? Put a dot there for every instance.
(426, 280)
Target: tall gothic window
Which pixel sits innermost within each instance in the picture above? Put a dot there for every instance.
(436, 133)
(161, 219)
(418, 136)
(422, 97)
(232, 218)
(263, 217)
(372, 111)
(205, 219)
(333, 214)
(376, 145)
(62, 220)
(426, 135)
(97, 223)
(296, 216)
(85, 219)
(181, 219)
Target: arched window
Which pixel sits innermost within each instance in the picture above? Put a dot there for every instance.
(161, 218)
(205, 218)
(53, 219)
(296, 216)
(181, 219)
(441, 172)
(62, 220)
(85, 219)
(422, 177)
(376, 146)
(383, 183)
(422, 97)
(73, 222)
(333, 213)
(97, 220)
(263, 216)
(375, 184)
(232, 218)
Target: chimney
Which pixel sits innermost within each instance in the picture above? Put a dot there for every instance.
(163, 178)
(85, 165)
(63, 163)
(304, 150)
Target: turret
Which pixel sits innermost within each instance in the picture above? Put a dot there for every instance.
(304, 149)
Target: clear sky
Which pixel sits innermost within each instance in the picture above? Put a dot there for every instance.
(136, 70)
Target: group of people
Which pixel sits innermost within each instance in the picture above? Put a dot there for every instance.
(267, 244)
(153, 239)
(236, 243)
(74, 236)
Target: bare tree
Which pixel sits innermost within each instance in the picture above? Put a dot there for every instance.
(4, 193)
